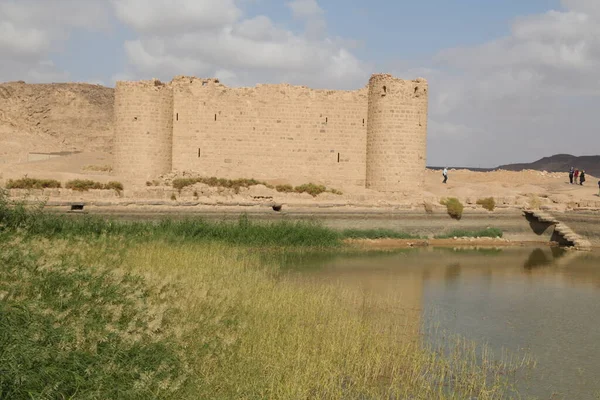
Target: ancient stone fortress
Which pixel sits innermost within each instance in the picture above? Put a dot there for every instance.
(374, 137)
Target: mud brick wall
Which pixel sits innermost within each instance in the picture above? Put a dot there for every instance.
(373, 137)
(272, 132)
(397, 134)
(143, 129)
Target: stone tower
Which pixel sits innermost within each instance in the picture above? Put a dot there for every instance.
(396, 134)
(143, 130)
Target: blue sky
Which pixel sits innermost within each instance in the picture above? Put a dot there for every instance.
(509, 80)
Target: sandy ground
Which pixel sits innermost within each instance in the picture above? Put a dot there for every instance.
(510, 189)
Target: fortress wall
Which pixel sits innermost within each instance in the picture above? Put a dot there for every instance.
(143, 129)
(270, 132)
(397, 134)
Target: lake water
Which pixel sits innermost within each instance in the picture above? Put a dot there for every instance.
(540, 301)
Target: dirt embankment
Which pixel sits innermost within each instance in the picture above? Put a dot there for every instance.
(54, 117)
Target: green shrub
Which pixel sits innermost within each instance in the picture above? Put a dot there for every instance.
(488, 203)
(453, 206)
(83, 185)
(173, 197)
(33, 183)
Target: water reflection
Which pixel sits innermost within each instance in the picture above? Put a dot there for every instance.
(537, 259)
(545, 300)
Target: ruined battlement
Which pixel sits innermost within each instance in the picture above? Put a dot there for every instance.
(373, 137)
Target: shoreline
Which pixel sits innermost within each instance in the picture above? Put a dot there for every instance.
(391, 244)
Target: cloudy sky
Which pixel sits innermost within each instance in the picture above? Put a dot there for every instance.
(510, 80)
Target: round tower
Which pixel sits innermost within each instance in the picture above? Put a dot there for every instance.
(396, 134)
(143, 130)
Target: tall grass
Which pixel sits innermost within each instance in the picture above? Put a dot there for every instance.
(72, 326)
(34, 222)
(191, 310)
(256, 334)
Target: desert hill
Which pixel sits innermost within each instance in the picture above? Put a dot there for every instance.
(559, 163)
(54, 117)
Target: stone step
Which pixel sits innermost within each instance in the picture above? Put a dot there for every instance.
(563, 230)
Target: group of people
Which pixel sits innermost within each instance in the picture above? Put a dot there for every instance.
(575, 174)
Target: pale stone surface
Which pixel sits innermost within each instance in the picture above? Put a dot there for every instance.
(374, 137)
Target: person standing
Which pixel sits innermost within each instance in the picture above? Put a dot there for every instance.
(445, 174)
(571, 174)
(581, 177)
(598, 188)
(576, 175)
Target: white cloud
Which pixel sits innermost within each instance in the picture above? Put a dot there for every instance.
(201, 37)
(31, 29)
(166, 16)
(523, 96)
(304, 9)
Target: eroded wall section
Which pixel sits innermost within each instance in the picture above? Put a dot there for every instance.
(270, 132)
(397, 134)
(143, 129)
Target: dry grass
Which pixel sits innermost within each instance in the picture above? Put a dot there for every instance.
(534, 202)
(97, 168)
(33, 183)
(488, 203)
(453, 206)
(173, 311)
(237, 184)
(83, 185)
(253, 335)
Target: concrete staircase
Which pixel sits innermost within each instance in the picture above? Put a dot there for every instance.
(569, 237)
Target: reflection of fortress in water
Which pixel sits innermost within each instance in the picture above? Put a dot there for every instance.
(542, 301)
(397, 285)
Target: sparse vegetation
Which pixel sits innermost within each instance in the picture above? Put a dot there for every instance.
(237, 184)
(173, 197)
(534, 202)
(98, 168)
(152, 183)
(33, 183)
(83, 185)
(310, 188)
(488, 203)
(284, 188)
(488, 232)
(453, 206)
(91, 308)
